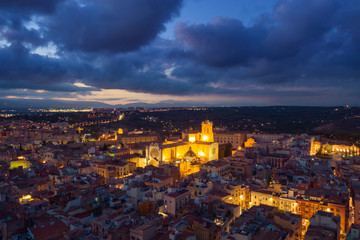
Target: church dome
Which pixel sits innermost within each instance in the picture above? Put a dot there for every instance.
(190, 154)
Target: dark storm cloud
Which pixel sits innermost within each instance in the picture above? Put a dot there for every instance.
(20, 69)
(142, 71)
(44, 6)
(312, 41)
(15, 14)
(291, 27)
(110, 25)
(302, 49)
(21, 35)
(297, 24)
(223, 42)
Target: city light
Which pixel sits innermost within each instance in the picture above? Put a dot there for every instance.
(201, 154)
(205, 138)
(163, 119)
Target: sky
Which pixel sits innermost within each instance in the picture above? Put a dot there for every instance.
(205, 52)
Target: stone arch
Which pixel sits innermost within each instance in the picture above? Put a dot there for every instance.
(153, 162)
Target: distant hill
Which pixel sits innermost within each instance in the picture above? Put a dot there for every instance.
(164, 104)
(38, 103)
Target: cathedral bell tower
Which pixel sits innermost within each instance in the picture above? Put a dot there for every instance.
(207, 134)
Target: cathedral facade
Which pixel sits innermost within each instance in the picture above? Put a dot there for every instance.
(342, 149)
(195, 147)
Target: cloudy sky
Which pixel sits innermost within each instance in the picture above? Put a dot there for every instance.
(220, 52)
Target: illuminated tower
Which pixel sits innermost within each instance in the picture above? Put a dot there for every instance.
(207, 134)
(314, 147)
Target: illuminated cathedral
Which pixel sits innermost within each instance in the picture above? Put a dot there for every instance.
(342, 149)
(195, 147)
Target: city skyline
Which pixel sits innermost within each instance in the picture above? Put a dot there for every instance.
(180, 173)
(180, 119)
(181, 52)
